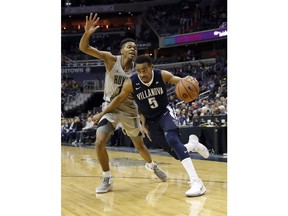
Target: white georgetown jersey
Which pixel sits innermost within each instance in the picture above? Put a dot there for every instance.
(114, 80)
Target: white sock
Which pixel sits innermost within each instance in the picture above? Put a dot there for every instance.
(151, 165)
(189, 167)
(107, 174)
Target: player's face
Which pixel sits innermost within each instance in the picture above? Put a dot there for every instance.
(144, 72)
(129, 50)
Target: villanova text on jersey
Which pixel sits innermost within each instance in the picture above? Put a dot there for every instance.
(150, 92)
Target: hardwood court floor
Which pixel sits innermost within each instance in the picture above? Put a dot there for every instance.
(136, 190)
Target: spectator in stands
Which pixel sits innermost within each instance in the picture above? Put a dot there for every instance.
(116, 138)
(178, 115)
(75, 126)
(222, 110)
(65, 124)
(173, 100)
(190, 114)
(86, 131)
(204, 111)
(183, 118)
(66, 129)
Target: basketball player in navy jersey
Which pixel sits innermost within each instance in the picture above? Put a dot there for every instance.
(148, 87)
(118, 69)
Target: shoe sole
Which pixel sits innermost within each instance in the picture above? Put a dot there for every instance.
(196, 139)
(161, 178)
(204, 153)
(104, 191)
(203, 191)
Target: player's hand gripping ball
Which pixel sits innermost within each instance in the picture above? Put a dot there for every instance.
(187, 89)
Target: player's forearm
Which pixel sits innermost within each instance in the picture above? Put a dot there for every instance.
(113, 105)
(84, 42)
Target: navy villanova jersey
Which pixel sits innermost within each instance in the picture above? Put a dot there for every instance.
(152, 101)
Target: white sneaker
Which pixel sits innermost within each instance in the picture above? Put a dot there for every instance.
(74, 143)
(157, 171)
(194, 146)
(106, 185)
(197, 188)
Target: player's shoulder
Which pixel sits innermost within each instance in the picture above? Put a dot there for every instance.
(107, 56)
(160, 71)
(157, 70)
(165, 75)
(113, 63)
(116, 58)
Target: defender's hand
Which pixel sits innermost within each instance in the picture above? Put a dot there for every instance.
(145, 132)
(91, 23)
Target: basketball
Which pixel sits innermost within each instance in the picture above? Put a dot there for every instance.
(187, 89)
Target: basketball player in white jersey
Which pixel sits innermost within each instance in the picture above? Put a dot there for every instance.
(118, 68)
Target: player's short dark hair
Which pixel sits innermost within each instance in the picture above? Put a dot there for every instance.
(125, 41)
(143, 59)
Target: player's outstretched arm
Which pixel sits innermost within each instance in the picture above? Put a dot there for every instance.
(168, 77)
(172, 79)
(91, 26)
(125, 92)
